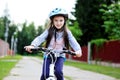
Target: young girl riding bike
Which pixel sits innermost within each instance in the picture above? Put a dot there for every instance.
(57, 36)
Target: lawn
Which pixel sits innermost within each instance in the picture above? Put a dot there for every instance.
(6, 64)
(107, 70)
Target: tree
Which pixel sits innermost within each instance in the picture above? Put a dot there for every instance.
(111, 16)
(2, 28)
(12, 30)
(22, 39)
(25, 36)
(90, 19)
(39, 30)
(76, 30)
(31, 32)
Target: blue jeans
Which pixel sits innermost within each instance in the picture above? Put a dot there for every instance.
(58, 68)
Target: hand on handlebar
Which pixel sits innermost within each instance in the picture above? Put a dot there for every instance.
(28, 48)
(78, 53)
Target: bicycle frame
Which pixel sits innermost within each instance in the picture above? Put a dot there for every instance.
(49, 52)
(51, 72)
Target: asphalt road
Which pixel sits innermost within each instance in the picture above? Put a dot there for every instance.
(29, 68)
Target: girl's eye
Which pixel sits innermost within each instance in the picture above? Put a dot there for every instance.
(61, 20)
(56, 20)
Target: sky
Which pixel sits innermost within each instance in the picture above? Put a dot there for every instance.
(36, 11)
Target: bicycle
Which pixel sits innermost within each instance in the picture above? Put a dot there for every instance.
(53, 54)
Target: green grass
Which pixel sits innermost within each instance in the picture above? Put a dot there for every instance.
(67, 78)
(6, 64)
(107, 70)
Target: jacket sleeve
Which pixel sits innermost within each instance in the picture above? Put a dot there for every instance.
(73, 42)
(40, 39)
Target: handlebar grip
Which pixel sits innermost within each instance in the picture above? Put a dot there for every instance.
(69, 52)
(36, 49)
(39, 48)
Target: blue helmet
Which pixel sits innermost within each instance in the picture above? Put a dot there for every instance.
(58, 11)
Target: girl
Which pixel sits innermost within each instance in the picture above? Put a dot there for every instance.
(57, 36)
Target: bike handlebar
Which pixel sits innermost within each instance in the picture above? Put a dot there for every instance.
(52, 50)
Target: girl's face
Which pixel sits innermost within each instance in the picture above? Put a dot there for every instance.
(58, 21)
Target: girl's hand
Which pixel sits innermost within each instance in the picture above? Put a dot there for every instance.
(78, 53)
(28, 48)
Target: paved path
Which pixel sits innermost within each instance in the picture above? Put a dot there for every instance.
(29, 68)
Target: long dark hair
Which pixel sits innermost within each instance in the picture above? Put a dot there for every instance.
(52, 32)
